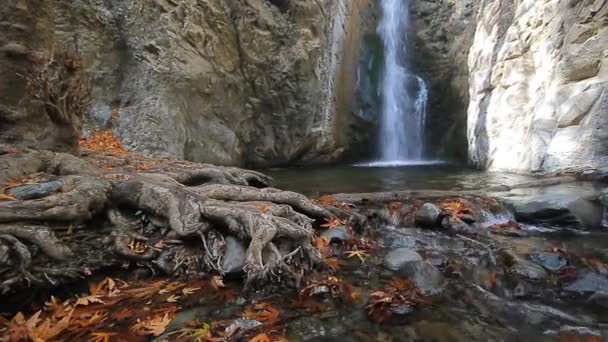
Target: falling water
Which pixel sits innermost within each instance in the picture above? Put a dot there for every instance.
(404, 95)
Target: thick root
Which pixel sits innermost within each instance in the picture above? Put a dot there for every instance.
(80, 199)
(244, 193)
(174, 218)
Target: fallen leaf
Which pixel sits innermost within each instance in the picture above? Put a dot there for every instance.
(152, 326)
(189, 290)
(217, 282)
(84, 301)
(261, 338)
(172, 299)
(362, 255)
(5, 198)
(101, 336)
(262, 312)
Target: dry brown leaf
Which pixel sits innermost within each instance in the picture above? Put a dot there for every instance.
(189, 290)
(172, 299)
(262, 312)
(261, 338)
(84, 301)
(217, 282)
(6, 198)
(101, 336)
(152, 326)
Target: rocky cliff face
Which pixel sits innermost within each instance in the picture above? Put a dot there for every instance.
(533, 74)
(539, 85)
(229, 82)
(442, 33)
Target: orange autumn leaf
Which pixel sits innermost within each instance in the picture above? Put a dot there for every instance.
(101, 336)
(217, 282)
(84, 301)
(491, 281)
(6, 198)
(152, 326)
(333, 222)
(261, 338)
(262, 312)
(103, 141)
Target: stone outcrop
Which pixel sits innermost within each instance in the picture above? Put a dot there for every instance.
(539, 86)
(532, 74)
(253, 82)
(442, 34)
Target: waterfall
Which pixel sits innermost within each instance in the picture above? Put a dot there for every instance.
(404, 95)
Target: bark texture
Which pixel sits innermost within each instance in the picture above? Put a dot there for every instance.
(63, 217)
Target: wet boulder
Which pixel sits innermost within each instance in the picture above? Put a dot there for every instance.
(428, 215)
(339, 234)
(553, 262)
(599, 299)
(400, 257)
(588, 283)
(407, 263)
(528, 270)
(426, 276)
(567, 205)
(458, 226)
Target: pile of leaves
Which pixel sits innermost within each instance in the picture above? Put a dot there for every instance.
(330, 201)
(103, 141)
(398, 299)
(114, 310)
(457, 207)
(111, 310)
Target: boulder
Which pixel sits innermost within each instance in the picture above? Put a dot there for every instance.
(428, 215)
(528, 270)
(588, 283)
(398, 258)
(426, 276)
(553, 262)
(340, 234)
(407, 263)
(568, 205)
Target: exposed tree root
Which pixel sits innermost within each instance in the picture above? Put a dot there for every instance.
(173, 218)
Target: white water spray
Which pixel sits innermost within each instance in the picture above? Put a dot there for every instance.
(404, 95)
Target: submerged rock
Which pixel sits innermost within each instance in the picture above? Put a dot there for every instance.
(553, 262)
(458, 226)
(339, 234)
(408, 263)
(243, 324)
(589, 282)
(599, 299)
(528, 270)
(426, 276)
(315, 329)
(428, 215)
(400, 257)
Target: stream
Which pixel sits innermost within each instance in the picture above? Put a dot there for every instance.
(547, 286)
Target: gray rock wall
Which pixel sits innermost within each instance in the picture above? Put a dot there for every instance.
(526, 78)
(218, 81)
(538, 86)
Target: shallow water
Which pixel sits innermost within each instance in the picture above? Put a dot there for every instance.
(320, 180)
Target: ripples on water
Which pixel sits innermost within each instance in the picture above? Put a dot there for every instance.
(388, 176)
